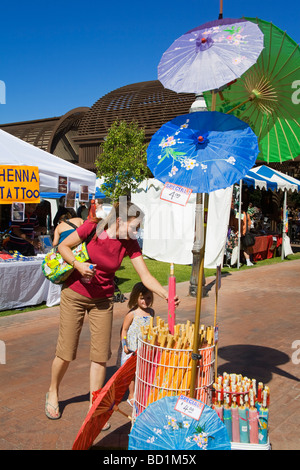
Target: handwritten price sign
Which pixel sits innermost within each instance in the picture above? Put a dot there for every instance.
(189, 407)
(174, 193)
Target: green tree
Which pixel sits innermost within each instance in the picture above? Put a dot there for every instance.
(122, 161)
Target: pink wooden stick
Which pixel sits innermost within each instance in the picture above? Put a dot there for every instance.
(171, 301)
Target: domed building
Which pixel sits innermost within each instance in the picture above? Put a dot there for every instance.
(148, 103)
(54, 135)
(77, 135)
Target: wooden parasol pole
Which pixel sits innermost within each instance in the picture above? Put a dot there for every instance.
(221, 10)
(195, 353)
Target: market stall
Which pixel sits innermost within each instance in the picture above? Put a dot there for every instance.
(267, 241)
(14, 151)
(265, 247)
(23, 284)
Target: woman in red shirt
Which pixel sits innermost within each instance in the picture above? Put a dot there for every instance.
(91, 288)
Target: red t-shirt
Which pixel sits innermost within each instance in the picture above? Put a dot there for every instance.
(107, 253)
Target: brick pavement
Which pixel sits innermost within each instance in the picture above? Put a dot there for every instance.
(258, 316)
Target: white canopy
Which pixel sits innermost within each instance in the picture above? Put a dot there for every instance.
(169, 229)
(14, 151)
(264, 177)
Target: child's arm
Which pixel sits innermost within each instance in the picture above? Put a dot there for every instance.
(126, 324)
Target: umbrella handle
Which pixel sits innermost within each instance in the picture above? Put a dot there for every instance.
(116, 408)
(221, 10)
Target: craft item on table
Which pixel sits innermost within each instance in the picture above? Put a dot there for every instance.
(253, 419)
(218, 407)
(263, 419)
(235, 416)
(18, 257)
(259, 395)
(5, 256)
(227, 418)
(248, 404)
(244, 422)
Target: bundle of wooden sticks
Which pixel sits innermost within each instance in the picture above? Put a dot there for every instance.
(183, 337)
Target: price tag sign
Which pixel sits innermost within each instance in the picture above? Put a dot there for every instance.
(189, 407)
(174, 193)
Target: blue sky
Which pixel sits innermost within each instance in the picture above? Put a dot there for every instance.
(59, 55)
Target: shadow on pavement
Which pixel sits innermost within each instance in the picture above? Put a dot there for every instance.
(254, 362)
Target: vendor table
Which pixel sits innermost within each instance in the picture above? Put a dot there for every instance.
(22, 283)
(264, 247)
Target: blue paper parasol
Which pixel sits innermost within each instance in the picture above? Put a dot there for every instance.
(210, 56)
(203, 151)
(160, 426)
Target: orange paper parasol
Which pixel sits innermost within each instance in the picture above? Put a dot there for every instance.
(105, 404)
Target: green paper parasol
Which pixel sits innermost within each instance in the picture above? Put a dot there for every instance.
(267, 96)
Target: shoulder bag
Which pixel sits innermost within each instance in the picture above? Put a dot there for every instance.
(56, 269)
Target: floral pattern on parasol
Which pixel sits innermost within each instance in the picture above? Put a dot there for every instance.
(210, 56)
(198, 436)
(202, 151)
(161, 426)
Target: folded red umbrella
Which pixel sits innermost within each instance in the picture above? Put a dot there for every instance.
(105, 403)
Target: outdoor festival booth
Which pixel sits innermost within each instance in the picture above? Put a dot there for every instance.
(173, 225)
(180, 401)
(266, 241)
(22, 282)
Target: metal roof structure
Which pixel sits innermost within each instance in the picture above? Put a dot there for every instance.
(54, 135)
(77, 135)
(149, 103)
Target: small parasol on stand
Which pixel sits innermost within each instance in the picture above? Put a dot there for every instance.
(162, 425)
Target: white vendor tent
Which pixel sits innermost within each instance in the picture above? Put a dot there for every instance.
(14, 151)
(264, 177)
(169, 228)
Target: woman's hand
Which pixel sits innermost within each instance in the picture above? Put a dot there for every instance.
(149, 281)
(176, 300)
(87, 270)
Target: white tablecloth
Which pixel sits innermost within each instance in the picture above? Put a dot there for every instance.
(22, 283)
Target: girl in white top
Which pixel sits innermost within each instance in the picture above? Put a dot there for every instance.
(140, 313)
